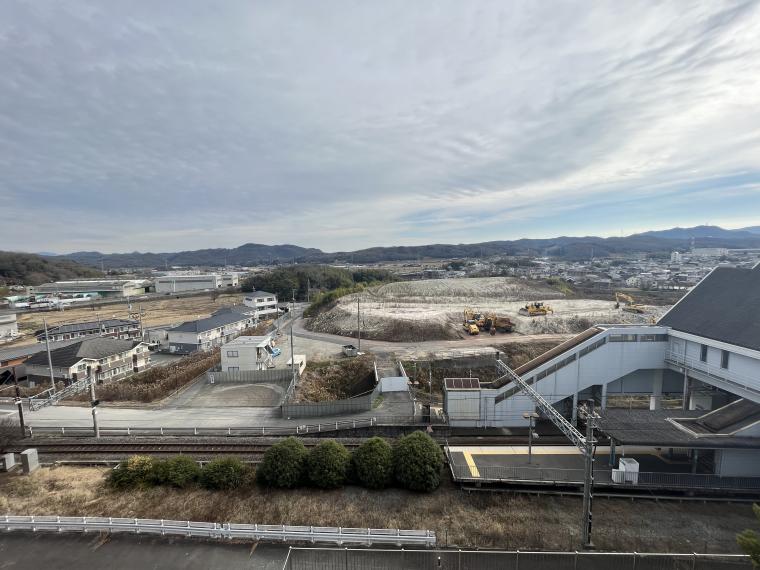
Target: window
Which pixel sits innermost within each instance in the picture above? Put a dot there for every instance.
(232, 353)
(622, 338)
(724, 358)
(703, 353)
(233, 368)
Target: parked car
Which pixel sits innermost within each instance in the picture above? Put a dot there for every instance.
(276, 352)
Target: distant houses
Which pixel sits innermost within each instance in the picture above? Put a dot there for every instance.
(124, 329)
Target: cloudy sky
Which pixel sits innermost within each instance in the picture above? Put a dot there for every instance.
(161, 126)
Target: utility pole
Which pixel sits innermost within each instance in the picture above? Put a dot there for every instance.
(358, 326)
(588, 480)
(50, 360)
(292, 351)
(530, 416)
(94, 405)
(19, 404)
(308, 290)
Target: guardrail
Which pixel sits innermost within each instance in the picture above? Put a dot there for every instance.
(232, 431)
(48, 397)
(333, 535)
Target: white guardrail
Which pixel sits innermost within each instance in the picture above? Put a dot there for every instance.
(281, 533)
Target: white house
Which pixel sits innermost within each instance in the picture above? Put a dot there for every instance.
(103, 358)
(8, 327)
(247, 353)
(264, 303)
(203, 334)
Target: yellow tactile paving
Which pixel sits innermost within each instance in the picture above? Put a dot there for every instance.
(471, 464)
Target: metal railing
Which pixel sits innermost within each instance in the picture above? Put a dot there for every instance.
(232, 431)
(612, 478)
(719, 374)
(334, 535)
(48, 397)
(302, 558)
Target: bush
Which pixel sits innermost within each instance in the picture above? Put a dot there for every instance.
(137, 471)
(180, 471)
(373, 463)
(283, 465)
(224, 473)
(327, 465)
(417, 462)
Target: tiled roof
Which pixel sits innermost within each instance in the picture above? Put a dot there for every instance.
(93, 348)
(216, 320)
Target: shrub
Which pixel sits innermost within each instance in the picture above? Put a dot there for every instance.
(283, 465)
(180, 471)
(373, 463)
(136, 471)
(327, 465)
(417, 462)
(224, 473)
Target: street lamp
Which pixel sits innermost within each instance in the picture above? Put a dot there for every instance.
(530, 416)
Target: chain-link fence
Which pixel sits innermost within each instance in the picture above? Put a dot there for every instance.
(374, 559)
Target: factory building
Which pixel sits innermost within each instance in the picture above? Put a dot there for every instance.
(181, 283)
(101, 288)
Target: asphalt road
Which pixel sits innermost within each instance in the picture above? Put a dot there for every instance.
(27, 551)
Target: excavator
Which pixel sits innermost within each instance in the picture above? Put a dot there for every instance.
(630, 306)
(536, 309)
(495, 323)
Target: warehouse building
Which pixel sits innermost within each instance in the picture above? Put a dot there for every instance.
(101, 288)
(181, 283)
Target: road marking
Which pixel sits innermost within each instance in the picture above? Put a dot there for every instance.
(471, 464)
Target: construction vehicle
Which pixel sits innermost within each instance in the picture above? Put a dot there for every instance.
(536, 309)
(472, 317)
(630, 306)
(472, 329)
(496, 323)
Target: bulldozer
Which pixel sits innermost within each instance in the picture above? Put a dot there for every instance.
(536, 309)
(495, 323)
(630, 305)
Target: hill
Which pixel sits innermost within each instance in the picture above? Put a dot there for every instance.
(563, 247)
(30, 269)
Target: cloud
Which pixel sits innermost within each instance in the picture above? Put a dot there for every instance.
(184, 125)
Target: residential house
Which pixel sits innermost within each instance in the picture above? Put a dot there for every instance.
(124, 329)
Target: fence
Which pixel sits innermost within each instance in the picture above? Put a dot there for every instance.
(631, 480)
(375, 559)
(49, 397)
(274, 375)
(221, 530)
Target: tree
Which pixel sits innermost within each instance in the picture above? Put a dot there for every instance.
(136, 471)
(283, 465)
(749, 541)
(417, 462)
(223, 474)
(180, 471)
(373, 463)
(327, 465)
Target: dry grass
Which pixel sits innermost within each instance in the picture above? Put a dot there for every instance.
(336, 380)
(476, 520)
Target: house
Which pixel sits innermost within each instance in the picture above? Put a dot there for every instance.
(8, 327)
(103, 358)
(264, 303)
(247, 353)
(124, 329)
(99, 287)
(204, 334)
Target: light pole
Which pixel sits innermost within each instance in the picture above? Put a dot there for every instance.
(530, 416)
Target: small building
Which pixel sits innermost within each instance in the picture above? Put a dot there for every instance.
(247, 353)
(103, 358)
(100, 287)
(204, 334)
(264, 303)
(124, 329)
(8, 327)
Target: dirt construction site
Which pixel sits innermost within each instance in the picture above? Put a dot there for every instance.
(433, 309)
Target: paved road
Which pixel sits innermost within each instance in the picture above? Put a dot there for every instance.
(27, 551)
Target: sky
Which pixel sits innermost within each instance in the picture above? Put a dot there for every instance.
(176, 125)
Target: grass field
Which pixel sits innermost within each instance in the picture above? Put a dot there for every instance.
(466, 520)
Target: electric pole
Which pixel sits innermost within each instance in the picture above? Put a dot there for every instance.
(18, 403)
(292, 351)
(94, 405)
(50, 360)
(358, 326)
(588, 480)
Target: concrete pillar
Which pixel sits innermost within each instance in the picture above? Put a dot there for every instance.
(612, 453)
(655, 400)
(575, 409)
(685, 390)
(604, 396)
(9, 461)
(29, 461)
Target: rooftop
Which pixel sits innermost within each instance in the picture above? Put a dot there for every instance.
(725, 307)
(93, 348)
(218, 319)
(89, 325)
(257, 341)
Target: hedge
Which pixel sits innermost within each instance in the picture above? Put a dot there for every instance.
(373, 463)
(327, 465)
(283, 465)
(417, 462)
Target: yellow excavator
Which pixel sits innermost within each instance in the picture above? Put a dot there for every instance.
(630, 306)
(536, 309)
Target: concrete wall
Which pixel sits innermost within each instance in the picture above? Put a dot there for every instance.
(326, 409)
(249, 376)
(737, 463)
(398, 384)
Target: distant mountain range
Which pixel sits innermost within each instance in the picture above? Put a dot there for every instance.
(564, 247)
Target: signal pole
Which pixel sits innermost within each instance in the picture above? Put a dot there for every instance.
(50, 360)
